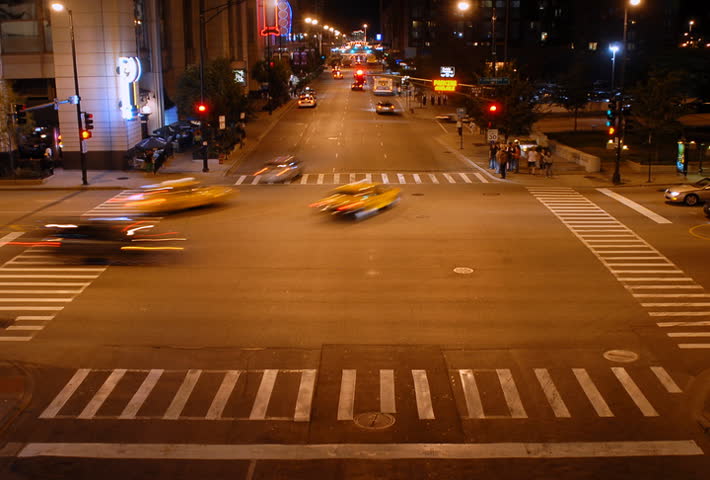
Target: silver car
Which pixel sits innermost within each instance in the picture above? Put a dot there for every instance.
(690, 194)
(280, 169)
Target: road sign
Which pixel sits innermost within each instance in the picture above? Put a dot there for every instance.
(492, 135)
(460, 112)
(494, 81)
(445, 85)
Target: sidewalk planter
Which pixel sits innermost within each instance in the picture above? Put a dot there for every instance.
(637, 167)
(591, 163)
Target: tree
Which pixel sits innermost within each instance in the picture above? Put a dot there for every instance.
(277, 74)
(657, 104)
(574, 89)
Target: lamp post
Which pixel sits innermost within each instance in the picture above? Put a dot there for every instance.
(613, 49)
(365, 27)
(59, 7)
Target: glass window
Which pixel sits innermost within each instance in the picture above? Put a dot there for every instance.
(23, 28)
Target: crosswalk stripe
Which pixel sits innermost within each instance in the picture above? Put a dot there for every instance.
(304, 179)
(677, 304)
(15, 339)
(433, 178)
(510, 392)
(336, 178)
(449, 178)
(682, 334)
(666, 380)
(665, 314)
(219, 402)
(481, 178)
(240, 180)
(37, 300)
(465, 178)
(683, 324)
(256, 179)
(319, 180)
(25, 327)
(553, 396)
(634, 392)
(664, 287)
(29, 307)
(387, 397)
(346, 400)
(423, 395)
(368, 177)
(48, 276)
(66, 393)
(352, 177)
(141, 394)
(35, 317)
(45, 284)
(417, 178)
(263, 395)
(592, 393)
(10, 237)
(100, 397)
(474, 407)
(183, 394)
(693, 346)
(672, 295)
(302, 412)
(385, 178)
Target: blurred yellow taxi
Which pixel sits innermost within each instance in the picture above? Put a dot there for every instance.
(359, 199)
(174, 195)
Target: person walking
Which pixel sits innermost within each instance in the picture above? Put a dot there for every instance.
(533, 157)
(502, 161)
(516, 155)
(547, 155)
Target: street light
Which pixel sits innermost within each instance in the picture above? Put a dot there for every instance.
(59, 7)
(613, 48)
(463, 6)
(365, 27)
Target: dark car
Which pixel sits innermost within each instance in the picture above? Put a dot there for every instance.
(357, 86)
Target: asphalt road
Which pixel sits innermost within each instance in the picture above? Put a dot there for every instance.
(283, 343)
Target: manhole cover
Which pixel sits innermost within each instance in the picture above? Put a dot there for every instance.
(621, 356)
(491, 194)
(463, 270)
(417, 194)
(122, 178)
(374, 420)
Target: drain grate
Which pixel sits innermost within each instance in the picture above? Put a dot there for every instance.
(374, 420)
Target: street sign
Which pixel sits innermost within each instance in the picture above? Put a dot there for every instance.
(447, 72)
(222, 122)
(460, 112)
(492, 135)
(494, 81)
(445, 85)
(84, 146)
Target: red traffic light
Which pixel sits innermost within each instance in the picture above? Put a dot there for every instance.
(493, 108)
(85, 134)
(201, 107)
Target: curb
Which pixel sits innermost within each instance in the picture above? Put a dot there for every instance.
(15, 393)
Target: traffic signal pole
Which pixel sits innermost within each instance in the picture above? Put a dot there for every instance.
(82, 153)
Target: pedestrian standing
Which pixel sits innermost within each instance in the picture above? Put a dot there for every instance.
(49, 160)
(533, 157)
(493, 150)
(502, 161)
(547, 155)
(516, 155)
(432, 100)
(424, 101)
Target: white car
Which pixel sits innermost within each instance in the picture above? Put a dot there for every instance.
(280, 169)
(307, 102)
(690, 194)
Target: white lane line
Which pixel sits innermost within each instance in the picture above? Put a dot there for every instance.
(400, 179)
(703, 323)
(336, 179)
(29, 307)
(25, 327)
(634, 392)
(34, 317)
(673, 334)
(302, 412)
(45, 284)
(679, 314)
(510, 392)
(465, 178)
(352, 177)
(433, 178)
(66, 393)
(592, 393)
(346, 400)
(387, 396)
(481, 178)
(102, 394)
(256, 179)
(304, 179)
(263, 395)
(449, 178)
(672, 295)
(38, 300)
(219, 402)
(553, 396)
(183, 394)
(319, 181)
(417, 178)
(15, 339)
(362, 451)
(10, 237)
(692, 346)
(695, 304)
(474, 406)
(141, 394)
(385, 178)
(240, 180)
(666, 380)
(635, 206)
(422, 395)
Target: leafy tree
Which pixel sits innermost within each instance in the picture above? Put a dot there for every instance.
(574, 89)
(277, 76)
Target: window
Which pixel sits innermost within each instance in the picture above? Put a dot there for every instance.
(23, 25)
(593, 46)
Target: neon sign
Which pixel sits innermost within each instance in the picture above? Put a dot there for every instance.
(129, 72)
(445, 85)
(268, 15)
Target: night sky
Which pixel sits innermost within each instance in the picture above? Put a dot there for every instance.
(350, 14)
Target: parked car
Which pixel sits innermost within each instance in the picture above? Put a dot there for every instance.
(690, 194)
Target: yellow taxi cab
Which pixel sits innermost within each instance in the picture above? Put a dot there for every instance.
(359, 199)
(174, 195)
(338, 75)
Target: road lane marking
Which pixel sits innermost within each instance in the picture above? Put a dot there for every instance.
(368, 177)
(449, 178)
(422, 395)
(666, 380)
(433, 178)
(387, 396)
(57, 292)
(319, 181)
(46, 284)
(240, 180)
(25, 327)
(346, 400)
(672, 295)
(693, 346)
(385, 178)
(682, 334)
(38, 300)
(141, 394)
(63, 396)
(679, 314)
(474, 406)
(304, 179)
(593, 395)
(352, 177)
(510, 392)
(10, 237)
(553, 396)
(382, 451)
(400, 179)
(15, 339)
(34, 317)
(465, 178)
(702, 323)
(256, 179)
(417, 178)
(634, 206)
(100, 397)
(183, 394)
(336, 178)
(263, 395)
(634, 392)
(219, 402)
(302, 412)
(50, 276)
(29, 307)
(481, 178)
(695, 304)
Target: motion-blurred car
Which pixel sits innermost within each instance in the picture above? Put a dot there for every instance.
(384, 107)
(109, 238)
(359, 199)
(280, 169)
(306, 101)
(690, 194)
(175, 195)
(357, 86)
(446, 117)
(706, 209)
(338, 75)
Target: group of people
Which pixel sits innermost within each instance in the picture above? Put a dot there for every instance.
(505, 158)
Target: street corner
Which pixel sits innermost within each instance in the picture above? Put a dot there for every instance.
(14, 392)
(699, 400)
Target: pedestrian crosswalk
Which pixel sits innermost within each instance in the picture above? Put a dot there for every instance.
(431, 178)
(115, 206)
(672, 298)
(290, 394)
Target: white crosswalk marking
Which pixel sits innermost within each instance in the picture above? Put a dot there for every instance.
(346, 401)
(141, 394)
(592, 393)
(183, 394)
(302, 412)
(423, 395)
(433, 178)
(263, 395)
(449, 178)
(400, 179)
(339, 178)
(387, 397)
(304, 179)
(53, 409)
(93, 406)
(368, 177)
(320, 179)
(474, 406)
(352, 177)
(666, 380)
(465, 178)
(256, 179)
(417, 178)
(219, 402)
(336, 178)
(553, 396)
(481, 178)
(385, 178)
(510, 392)
(240, 180)
(634, 392)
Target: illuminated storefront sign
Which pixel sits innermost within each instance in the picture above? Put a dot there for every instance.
(445, 85)
(284, 14)
(268, 14)
(240, 76)
(447, 72)
(129, 71)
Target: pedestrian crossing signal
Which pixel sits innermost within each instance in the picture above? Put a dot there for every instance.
(612, 131)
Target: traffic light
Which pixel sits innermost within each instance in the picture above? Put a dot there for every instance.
(612, 131)
(88, 121)
(201, 108)
(612, 112)
(493, 108)
(20, 114)
(85, 134)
